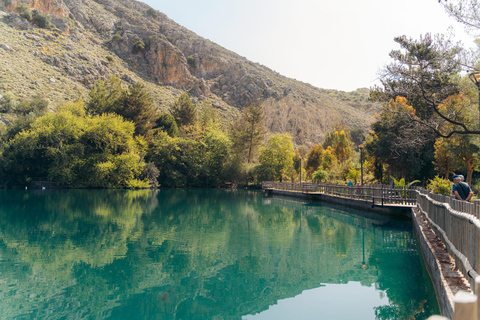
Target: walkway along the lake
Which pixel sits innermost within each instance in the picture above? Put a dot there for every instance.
(448, 232)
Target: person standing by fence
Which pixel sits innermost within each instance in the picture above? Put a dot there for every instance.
(461, 190)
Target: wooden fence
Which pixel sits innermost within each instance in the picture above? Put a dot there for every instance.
(377, 194)
(457, 224)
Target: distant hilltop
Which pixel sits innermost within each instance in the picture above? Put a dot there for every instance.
(66, 45)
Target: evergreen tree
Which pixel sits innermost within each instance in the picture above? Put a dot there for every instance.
(184, 111)
(135, 103)
(106, 96)
(138, 107)
(166, 122)
(248, 132)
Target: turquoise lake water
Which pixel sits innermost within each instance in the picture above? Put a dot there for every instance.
(203, 254)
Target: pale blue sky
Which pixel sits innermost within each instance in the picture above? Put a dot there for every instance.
(331, 44)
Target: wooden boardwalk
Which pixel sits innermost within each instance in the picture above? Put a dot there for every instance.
(375, 196)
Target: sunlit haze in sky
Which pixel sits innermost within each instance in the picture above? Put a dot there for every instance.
(330, 44)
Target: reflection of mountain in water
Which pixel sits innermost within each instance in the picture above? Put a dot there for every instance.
(192, 254)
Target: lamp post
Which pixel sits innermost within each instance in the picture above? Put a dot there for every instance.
(361, 163)
(475, 77)
(300, 172)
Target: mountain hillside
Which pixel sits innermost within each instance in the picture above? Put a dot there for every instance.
(89, 40)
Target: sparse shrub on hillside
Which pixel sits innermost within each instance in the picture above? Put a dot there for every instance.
(24, 11)
(43, 21)
(138, 47)
(72, 23)
(23, 111)
(172, 40)
(37, 106)
(9, 103)
(116, 38)
(191, 60)
(152, 13)
(109, 58)
(7, 2)
(152, 39)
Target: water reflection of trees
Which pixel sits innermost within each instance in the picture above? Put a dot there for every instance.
(195, 254)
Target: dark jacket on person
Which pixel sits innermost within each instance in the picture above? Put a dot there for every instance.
(462, 188)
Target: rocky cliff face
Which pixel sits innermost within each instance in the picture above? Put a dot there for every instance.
(152, 48)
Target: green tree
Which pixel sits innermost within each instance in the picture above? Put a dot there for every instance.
(152, 13)
(184, 111)
(394, 141)
(9, 103)
(457, 153)
(22, 113)
(466, 12)
(190, 163)
(73, 150)
(248, 131)
(138, 47)
(297, 162)
(341, 146)
(135, 103)
(425, 72)
(277, 155)
(319, 175)
(35, 106)
(314, 159)
(445, 161)
(166, 122)
(138, 106)
(353, 174)
(218, 146)
(180, 161)
(106, 96)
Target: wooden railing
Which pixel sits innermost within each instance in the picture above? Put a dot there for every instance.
(457, 224)
(377, 194)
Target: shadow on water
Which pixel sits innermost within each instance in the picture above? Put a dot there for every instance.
(194, 254)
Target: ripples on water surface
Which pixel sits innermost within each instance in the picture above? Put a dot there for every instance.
(203, 254)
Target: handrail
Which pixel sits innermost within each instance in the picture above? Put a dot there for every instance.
(377, 194)
(459, 230)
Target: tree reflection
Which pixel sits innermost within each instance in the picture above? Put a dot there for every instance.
(190, 254)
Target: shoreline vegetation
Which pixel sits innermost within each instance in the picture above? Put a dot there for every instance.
(117, 137)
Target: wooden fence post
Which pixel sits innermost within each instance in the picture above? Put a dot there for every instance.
(477, 291)
(465, 306)
(437, 318)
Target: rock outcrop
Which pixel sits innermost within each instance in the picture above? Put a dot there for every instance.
(158, 50)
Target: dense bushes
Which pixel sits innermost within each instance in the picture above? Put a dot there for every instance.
(75, 150)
